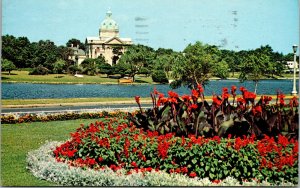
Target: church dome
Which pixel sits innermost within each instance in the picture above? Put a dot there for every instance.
(108, 23)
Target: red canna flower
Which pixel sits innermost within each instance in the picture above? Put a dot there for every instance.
(233, 90)
(242, 89)
(137, 99)
(173, 94)
(200, 88)
(193, 106)
(256, 110)
(241, 100)
(225, 94)
(195, 94)
(186, 97)
(216, 101)
(193, 174)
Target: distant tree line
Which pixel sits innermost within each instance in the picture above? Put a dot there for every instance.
(194, 65)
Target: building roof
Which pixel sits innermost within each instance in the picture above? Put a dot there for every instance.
(108, 23)
(77, 51)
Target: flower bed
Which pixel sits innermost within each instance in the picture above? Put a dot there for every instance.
(44, 166)
(119, 145)
(13, 119)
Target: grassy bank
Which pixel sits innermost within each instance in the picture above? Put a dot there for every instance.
(18, 140)
(23, 76)
(87, 101)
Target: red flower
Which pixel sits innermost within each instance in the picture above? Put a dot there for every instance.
(186, 97)
(200, 88)
(281, 99)
(134, 164)
(137, 99)
(241, 100)
(216, 181)
(233, 90)
(256, 110)
(172, 94)
(184, 169)
(195, 94)
(100, 159)
(294, 102)
(193, 106)
(242, 89)
(216, 101)
(282, 140)
(193, 174)
(162, 148)
(267, 99)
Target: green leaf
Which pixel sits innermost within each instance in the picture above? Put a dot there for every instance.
(226, 172)
(183, 154)
(194, 161)
(211, 175)
(206, 168)
(212, 169)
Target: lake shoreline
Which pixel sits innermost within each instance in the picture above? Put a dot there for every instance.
(115, 83)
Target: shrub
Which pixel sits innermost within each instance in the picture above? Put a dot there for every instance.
(191, 114)
(39, 70)
(159, 76)
(44, 166)
(119, 145)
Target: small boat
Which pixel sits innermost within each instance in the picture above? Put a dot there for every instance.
(125, 80)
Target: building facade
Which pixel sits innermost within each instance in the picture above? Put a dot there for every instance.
(108, 44)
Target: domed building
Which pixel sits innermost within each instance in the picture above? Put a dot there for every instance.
(108, 44)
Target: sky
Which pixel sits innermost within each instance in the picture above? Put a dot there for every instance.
(230, 24)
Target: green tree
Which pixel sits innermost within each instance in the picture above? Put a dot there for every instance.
(221, 70)
(195, 66)
(59, 66)
(159, 76)
(136, 57)
(8, 66)
(75, 42)
(164, 62)
(89, 67)
(254, 68)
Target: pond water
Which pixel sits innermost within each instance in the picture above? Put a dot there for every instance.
(33, 91)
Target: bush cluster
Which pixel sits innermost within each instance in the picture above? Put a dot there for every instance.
(44, 166)
(119, 145)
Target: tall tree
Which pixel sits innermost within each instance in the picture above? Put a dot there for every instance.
(254, 68)
(136, 57)
(195, 65)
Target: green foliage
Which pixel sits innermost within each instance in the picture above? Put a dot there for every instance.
(136, 57)
(89, 67)
(196, 65)
(75, 42)
(118, 145)
(191, 114)
(7, 65)
(159, 76)
(221, 70)
(59, 66)
(39, 70)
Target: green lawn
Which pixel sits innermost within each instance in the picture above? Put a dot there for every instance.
(68, 100)
(23, 76)
(17, 140)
